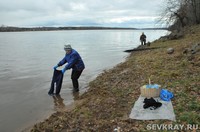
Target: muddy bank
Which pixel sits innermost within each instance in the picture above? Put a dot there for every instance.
(108, 102)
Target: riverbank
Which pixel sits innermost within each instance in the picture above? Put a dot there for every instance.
(108, 102)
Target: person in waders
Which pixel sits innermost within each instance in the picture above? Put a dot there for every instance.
(74, 62)
(143, 39)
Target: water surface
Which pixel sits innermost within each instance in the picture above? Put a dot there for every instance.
(26, 68)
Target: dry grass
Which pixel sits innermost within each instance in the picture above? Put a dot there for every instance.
(108, 102)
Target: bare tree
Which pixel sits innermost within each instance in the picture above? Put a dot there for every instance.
(179, 13)
(195, 4)
(174, 12)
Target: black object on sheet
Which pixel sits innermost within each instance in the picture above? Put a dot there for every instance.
(56, 80)
(151, 103)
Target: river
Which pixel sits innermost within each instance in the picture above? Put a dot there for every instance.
(26, 68)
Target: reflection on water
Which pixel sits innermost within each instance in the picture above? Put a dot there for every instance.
(58, 103)
(76, 95)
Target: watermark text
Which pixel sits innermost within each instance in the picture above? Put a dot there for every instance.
(172, 127)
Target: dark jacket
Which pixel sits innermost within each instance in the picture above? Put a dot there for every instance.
(74, 61)
(143, 37)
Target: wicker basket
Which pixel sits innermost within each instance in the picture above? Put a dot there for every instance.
(149, 92)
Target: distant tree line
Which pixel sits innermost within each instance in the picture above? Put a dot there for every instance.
(14, 29)
(181, 13)
(17, 29)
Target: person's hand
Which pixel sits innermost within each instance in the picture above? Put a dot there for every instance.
(63, 70)
(55, 67)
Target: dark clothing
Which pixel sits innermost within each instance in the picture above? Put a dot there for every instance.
(56, 80)
(151, 103)
(73, 61)
(143, 39)
(74, 76)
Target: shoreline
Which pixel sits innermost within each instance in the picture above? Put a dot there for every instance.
(107, 103)
(24, 29)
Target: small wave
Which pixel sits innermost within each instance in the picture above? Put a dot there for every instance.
(23, 77)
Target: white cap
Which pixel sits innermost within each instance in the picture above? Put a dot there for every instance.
(67, 47)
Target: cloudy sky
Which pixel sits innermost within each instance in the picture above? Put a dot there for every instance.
(107, 13)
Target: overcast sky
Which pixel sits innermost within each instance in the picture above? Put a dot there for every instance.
(107, 13)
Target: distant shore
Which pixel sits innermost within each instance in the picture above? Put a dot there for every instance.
(23, 29)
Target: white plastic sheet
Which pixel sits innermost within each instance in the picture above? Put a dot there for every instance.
(166, 111)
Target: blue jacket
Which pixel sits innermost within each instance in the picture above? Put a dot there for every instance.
(74, 61)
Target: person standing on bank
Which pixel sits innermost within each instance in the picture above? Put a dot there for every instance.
(74, 61)
(143, 39)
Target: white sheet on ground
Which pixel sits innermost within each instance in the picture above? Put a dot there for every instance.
(166, 111)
